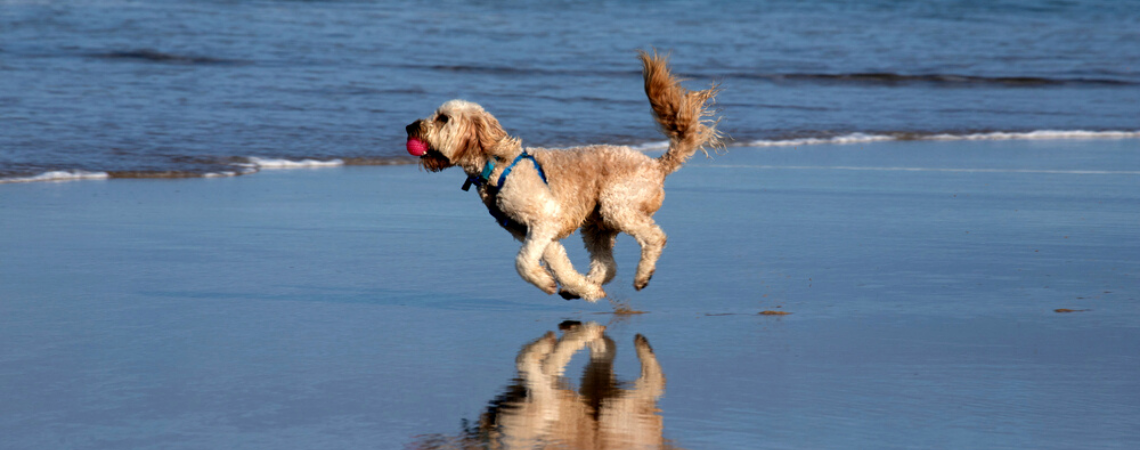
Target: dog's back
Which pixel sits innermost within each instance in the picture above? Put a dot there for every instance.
(588, 178)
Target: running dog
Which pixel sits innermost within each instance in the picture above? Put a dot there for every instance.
(542, 196)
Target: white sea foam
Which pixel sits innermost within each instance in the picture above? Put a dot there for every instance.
(242, 169)
(651, 146)
(253, 165)
(853, 138)
(926, 169)
(862, 138)
(227, 174)
(269, 163)
(59, 175)
(1040, 134)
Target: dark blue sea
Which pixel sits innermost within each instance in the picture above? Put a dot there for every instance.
(155, 88)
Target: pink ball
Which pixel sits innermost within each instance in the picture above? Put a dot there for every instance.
(417, 147)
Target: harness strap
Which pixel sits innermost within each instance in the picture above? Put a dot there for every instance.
(507, 171)
(482, 178)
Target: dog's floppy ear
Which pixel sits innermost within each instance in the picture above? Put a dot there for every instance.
(484, 135)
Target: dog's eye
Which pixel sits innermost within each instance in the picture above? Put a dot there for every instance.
(442, 119)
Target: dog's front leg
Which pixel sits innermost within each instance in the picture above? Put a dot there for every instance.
(574, 285)
(527, 262)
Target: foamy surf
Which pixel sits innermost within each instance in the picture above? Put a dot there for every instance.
(253, 164)
(270, 163)
(59, 175)
(1038, 135)
(228, 173)
(651, 146)
(241, 166)
(926, 169)
(853, 138)
(863, 138)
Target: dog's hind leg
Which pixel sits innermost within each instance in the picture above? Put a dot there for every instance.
(652, 241)
(600, 244)
(574, 285)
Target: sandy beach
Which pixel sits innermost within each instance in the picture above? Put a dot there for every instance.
(378, 307)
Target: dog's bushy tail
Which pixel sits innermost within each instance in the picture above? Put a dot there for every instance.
(685, 116)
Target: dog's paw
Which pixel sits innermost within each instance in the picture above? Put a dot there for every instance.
(641, 282)
(593, 293)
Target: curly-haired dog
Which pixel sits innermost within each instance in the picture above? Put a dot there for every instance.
(603, 189)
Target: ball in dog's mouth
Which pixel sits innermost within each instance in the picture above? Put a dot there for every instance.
(417, 147)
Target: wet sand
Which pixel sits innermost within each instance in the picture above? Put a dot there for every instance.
(378, 307)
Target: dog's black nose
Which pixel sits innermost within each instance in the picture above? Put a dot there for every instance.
(413, 127)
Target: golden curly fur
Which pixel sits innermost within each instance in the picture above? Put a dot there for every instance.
(602, 189)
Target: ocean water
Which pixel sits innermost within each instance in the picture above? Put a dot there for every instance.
(157, 88)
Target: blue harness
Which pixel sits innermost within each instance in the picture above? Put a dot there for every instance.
(484, 177)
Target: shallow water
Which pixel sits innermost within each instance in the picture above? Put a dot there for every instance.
(318, 308)
(160, 88)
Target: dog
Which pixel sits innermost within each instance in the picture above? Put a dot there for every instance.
(541, 410)
(542, 196)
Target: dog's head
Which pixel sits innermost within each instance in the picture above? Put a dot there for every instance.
(458, 133)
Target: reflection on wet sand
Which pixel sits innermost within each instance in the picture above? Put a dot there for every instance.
(540, 410)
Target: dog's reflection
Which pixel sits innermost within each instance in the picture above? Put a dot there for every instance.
(540, 410)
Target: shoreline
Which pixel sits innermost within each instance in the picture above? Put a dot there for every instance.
(252, 164)
(1013, 177)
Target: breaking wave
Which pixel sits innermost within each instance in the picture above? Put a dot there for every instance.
(651, 146)
(59, 175)
(1038, 135)
(863, 138)
(271, 163)
(240, 166)
(248, 165)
